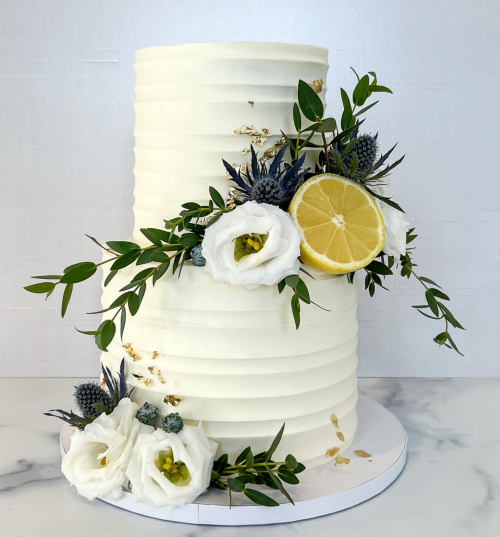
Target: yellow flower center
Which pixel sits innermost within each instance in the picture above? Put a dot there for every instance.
(249, 243)
(175, 471)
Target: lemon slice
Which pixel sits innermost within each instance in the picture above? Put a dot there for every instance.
(342, 228)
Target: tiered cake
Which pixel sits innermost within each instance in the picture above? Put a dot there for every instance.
(231, 357)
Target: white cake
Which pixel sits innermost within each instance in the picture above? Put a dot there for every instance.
(231, 355)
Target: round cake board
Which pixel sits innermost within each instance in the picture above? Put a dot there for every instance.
(323, 490)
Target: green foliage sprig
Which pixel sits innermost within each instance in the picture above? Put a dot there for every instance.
(261, 469)
(433, 295)
(300, 293)
(168, 247)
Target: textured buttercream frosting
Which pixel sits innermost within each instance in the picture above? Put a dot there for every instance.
(231, 355)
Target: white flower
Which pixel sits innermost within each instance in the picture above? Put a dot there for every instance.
(395, 231)
(277, 257)
(395, 226)
(168, 469)
(98, 456)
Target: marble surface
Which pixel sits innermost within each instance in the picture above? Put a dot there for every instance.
(450, 486)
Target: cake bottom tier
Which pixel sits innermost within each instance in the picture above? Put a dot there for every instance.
(232, 359)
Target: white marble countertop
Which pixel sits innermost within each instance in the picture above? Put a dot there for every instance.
(450, 486)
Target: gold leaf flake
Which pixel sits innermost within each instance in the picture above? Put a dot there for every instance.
(147, 382)
(245, 151)
(332, 452)
(335, 421)
(176, 383)
(251, 103)
(232, 195)
(103, 382)
(155, 371)
(341, 460)
(273, 151)
(256, 137)
(154, 355)
(341, 436)
(362, 453)
(130, 351)
(317, 85)
(172, 400)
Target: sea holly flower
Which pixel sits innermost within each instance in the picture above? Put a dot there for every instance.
(255, 244)
(99, 455)
(171, 469)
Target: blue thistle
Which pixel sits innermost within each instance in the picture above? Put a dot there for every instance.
(172, 423)
(275, 185)
(197, 256)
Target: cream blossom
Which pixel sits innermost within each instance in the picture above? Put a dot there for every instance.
(395, 227)
(272, 259)
(171, 469)
(99, 455)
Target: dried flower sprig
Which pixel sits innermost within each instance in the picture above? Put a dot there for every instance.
(260, 469)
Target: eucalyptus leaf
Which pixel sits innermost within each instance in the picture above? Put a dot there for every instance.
(297, 118)
(160, 271)
(109, 277)
(123, 247)
(217, 198)
(260, 498)
(360, 92)
(68, 290)
(79, 272)
(309, 102)
(123, 320)
(432, 302)
(126, 259)
(43, 287)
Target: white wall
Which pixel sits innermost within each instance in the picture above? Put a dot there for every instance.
(66, 120)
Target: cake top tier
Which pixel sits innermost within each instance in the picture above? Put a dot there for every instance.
(241, 50)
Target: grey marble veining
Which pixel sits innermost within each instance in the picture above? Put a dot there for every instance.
(450, 486)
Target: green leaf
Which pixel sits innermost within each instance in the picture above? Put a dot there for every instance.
(296, 310)
(432, 302)
(379, 268)
(275, 444)
(235, 485)
(281, 286)
(68, 290)
(43, 287)
(159, 257)
(452, 343)
(49, 277)
(280, 486)
(217, 198)
(300, 468)
(145, 257)
(151, 235)
(242, 456)
(357, 114)
(107, 330)
(384, 199)
(354, 165)
(347, 119)
(109, 277)
(352, 69)
(117, 302)
(122, 247)
(288, 477)
(303, 292)
(345, 133)
(88, 332)
(133, 304)
(427, 280)
(249, 460)
(191, 205)
(123, 320)
(143, 275)
(95, 241)
(309, 102)
(160, 271)
(260, 498)
(297, 119)
(292, 281)
(439, 294)
(451, 318)
(246, 478)
(189, 240)
(328, 125)
(291, 462)
(360, 92)
(103, 409)
(79, 272)
(125, 260)
(378, 89)
(220, 464)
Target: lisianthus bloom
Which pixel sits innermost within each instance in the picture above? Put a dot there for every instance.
(99, 455)
(171, 469)
(255, 244)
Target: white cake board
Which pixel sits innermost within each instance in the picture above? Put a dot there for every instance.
(321, 491)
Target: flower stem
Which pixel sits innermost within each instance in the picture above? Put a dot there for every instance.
(325, 148)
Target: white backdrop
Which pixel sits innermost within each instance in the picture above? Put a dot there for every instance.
(66, 121)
